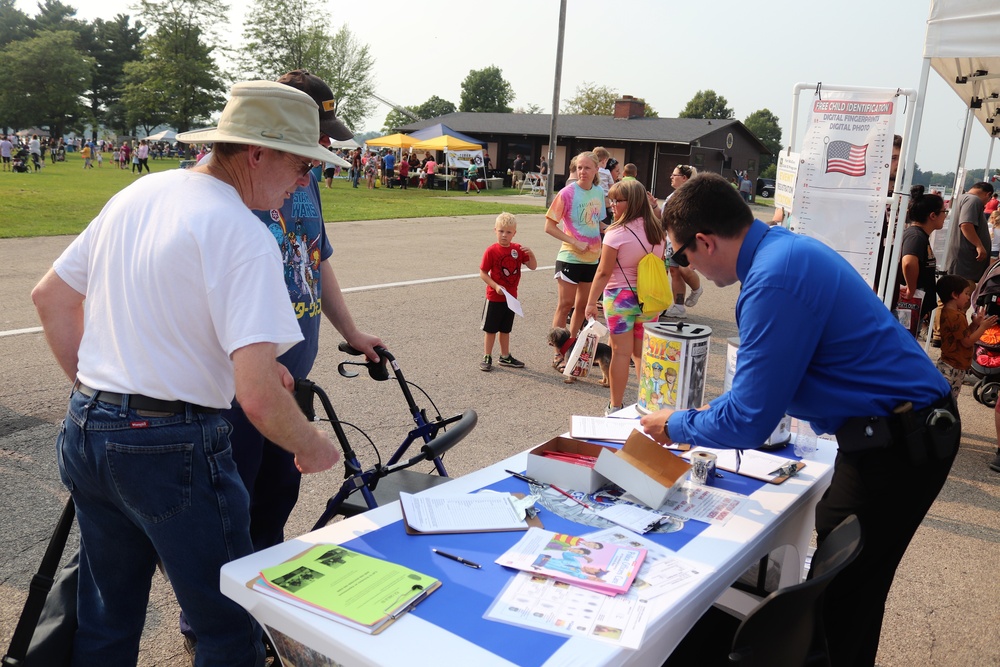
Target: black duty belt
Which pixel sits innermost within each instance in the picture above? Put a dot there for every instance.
(934, 430)
(140, 402)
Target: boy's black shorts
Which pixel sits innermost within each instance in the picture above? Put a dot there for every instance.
(497, 317)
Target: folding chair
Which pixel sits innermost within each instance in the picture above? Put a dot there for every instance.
(787, 627)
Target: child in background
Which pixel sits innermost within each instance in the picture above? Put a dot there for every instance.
(500, 269)
(957, 334)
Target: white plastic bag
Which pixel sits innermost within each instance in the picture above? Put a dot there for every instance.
(581, 357)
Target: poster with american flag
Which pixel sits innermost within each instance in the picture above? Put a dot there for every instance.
(843, 176)
(843, 157)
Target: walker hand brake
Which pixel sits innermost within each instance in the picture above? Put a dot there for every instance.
(376, 369)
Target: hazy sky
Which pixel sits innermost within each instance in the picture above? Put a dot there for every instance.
(664, 51)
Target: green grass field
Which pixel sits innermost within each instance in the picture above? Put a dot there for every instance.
(63, 198)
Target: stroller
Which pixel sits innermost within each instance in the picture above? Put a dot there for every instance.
(986, 351)
(20, 162)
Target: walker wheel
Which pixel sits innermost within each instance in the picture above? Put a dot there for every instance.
(989, 394)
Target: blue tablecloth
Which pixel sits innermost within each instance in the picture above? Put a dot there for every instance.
(466, 593)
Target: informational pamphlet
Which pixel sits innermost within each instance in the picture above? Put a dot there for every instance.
(605, 568)
(661, 572)
(540, 603)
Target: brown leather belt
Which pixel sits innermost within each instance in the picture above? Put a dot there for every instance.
(140, 402)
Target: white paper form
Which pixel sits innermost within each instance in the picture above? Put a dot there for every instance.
(602, 428)
(513, 304)
(473, 513)
(703, 503)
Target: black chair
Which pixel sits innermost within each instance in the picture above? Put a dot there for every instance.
(786, 629)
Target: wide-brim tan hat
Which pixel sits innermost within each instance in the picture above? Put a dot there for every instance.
(268, 114)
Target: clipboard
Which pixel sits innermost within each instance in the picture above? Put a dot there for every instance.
(259, 585)
(528, 523)
(727, 461)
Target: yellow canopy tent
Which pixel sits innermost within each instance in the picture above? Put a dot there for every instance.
(446, 143)
(393, 141)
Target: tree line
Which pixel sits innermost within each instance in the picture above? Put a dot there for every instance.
(164, 66)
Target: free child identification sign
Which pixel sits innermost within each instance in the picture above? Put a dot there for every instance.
(843, 175)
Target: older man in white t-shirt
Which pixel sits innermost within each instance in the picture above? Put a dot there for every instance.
(168, 304)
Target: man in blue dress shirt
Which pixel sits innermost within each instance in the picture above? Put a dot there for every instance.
(817, 344)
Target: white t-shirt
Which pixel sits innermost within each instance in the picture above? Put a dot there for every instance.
(607, 180)
(178, 274)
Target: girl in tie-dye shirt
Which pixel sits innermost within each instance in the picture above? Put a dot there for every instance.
(575, 219)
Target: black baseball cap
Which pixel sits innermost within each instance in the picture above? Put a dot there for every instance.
(317, 89)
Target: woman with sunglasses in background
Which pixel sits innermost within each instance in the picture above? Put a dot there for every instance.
(636, 230)
(575, 219)
(680, 275)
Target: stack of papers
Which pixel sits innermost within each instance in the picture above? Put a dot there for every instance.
(345, 586)
(467, 513)
(604, 568)
(611, 429)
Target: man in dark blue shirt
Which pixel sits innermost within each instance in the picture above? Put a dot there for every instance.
(817, 344)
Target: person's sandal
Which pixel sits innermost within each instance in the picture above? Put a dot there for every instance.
(557, 361)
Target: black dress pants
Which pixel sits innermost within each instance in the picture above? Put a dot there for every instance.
(890, 495)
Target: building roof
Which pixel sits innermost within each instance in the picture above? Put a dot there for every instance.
(660, 130)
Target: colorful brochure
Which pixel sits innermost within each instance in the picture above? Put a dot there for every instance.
(604, 568)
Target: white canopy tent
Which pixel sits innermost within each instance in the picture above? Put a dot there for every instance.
(962, 46)
(165, 135)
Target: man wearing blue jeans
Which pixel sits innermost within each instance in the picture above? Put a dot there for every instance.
(160, 314)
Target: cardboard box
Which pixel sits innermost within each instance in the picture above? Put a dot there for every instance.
(644, 469)
(566, 476)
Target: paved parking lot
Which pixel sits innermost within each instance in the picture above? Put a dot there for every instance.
(415, 282)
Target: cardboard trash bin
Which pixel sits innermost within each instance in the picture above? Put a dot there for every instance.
(644, 469)
(567, 476)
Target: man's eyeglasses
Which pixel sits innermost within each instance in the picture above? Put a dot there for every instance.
(303, 167)
(680, 255)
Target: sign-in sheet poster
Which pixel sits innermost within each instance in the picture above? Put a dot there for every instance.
(843, 176)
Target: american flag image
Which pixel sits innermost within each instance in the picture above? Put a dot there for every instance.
(845, 158)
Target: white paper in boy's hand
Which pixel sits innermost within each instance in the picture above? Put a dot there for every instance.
(513, 304)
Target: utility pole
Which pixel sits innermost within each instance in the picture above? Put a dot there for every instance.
(550, 181)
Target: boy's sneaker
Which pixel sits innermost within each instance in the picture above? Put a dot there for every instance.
(676, 310)
(995, 465)
(486, 365)
(693, 297)
(608, 411)
(509, 360)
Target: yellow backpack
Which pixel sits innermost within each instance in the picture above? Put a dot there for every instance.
(652, 285)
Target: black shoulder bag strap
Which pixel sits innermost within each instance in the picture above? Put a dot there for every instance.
(41, 584)
(627, 282)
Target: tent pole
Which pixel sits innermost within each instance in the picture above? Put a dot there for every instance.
(909, 156)
(989, 160)
(956, 190)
